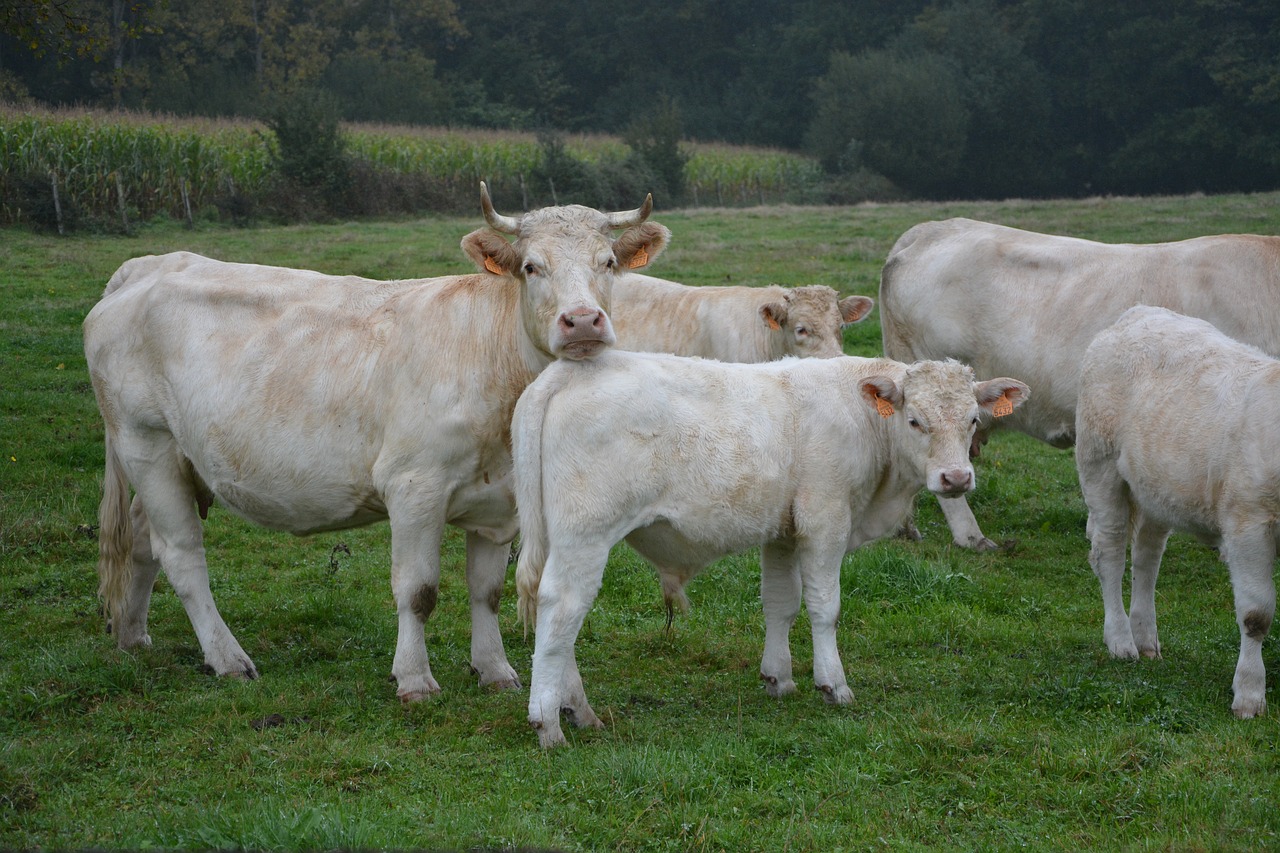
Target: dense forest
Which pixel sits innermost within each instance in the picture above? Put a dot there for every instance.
(954, 98)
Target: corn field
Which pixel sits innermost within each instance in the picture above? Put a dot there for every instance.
(125, 167)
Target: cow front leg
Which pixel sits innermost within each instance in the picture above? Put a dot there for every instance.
(565, 594)
(1146, 551)
(1250, 558)
(820, 573)
(486, 574)
(964, 526)
(130, 625)
(1107, 499)
(780, 588)
(415, 585)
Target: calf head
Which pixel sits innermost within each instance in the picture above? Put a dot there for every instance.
(565, 259)
(939, 402)
(812, 318)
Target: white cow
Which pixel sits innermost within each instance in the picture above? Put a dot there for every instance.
(738, 323)
(1178, 429)
(1014, 302)
(690, 460)
(308, 402)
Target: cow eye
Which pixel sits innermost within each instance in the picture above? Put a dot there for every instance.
(530, 269)
(801, 331)
(610, 264)
(914, 424)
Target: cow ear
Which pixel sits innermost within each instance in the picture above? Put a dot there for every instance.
(491, 252)
(883, 393)
(639, 245)
(1001, 396)
(855, 308)
(774, 314)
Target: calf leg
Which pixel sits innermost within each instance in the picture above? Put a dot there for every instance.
(1107, 499)
(820, 572)
(1149, 539)
(780, 587)
(570, 581)
(130, 627)
(486, 573)
(964, 526)
(1250, 557)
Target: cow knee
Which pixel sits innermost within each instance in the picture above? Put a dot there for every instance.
(1257, 624)
(424, 600)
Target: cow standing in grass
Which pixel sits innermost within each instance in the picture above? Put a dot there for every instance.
(732, 323)
(307, 402)
(691, 459)
(1015, 302)
(1178, 428)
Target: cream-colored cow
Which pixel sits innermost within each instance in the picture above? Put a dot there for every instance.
(1178, 428)
(308, 402)
(1017, 303)
(691, 459)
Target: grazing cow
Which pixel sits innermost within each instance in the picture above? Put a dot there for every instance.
(1014, 302)
(308, 402)
(690, 460)
(742, 324)
(1177, 429)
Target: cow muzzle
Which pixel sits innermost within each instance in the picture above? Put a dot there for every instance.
(951, 482)
(582, 333)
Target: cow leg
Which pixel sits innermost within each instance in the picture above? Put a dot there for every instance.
(486, 574)
(570, 581)
(780, 587)
(416, 535)
(964, 526)
(1107, 499)
(130, 627)
(1149, 539)
(820, 573)
(169, 503)
(1250, 558)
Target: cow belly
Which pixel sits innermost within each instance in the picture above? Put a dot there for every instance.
(663, 545)
(312, 509)
(487, 508)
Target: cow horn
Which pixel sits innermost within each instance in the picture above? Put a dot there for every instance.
(627, 218)
(498, 222)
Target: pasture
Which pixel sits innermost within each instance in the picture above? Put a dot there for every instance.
(987, 713)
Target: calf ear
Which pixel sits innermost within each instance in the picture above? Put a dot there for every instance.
(639, 245)
(855, 308)
(774, 315)
(1001, 396)
(883, 393)
(491, 252)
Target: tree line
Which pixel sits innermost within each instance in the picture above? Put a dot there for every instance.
(945, 99)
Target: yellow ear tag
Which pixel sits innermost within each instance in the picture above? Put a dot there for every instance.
(639, 259)
(1003, 406)
(491, 265)
(884, 407)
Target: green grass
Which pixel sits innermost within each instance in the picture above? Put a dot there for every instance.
(987, 713)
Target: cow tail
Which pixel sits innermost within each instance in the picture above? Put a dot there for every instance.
(115, 537)
(530, 415)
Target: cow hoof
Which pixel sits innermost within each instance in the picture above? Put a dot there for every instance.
(548, 736)
(985, 545)
(841, 695)
(775, 688)
(1248, 709)
(583, 718)
(502, 686)
(502, 678)
(1152, 654)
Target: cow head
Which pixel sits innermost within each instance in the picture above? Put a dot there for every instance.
(939, 402)
(811, 320)
(565, 259)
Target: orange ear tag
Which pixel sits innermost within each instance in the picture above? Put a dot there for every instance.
(775, 325)
(491, 265)
(884, 407)
(1003, 406)
(639, 259)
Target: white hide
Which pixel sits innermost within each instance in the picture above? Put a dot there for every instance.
(1177, 429)
(1015, 302)
(690, 460)
(307, 402)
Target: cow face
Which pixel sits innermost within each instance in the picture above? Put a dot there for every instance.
(811, 319)
(565, 259)
(940, 403)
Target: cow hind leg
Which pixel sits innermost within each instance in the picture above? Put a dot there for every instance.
(168, 500)
(1106, 496)
(1148, 543)
(1250, 558)
(570, 582)
(486, 574)
(130, 626)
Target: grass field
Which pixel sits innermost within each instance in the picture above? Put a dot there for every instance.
(987, 713)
